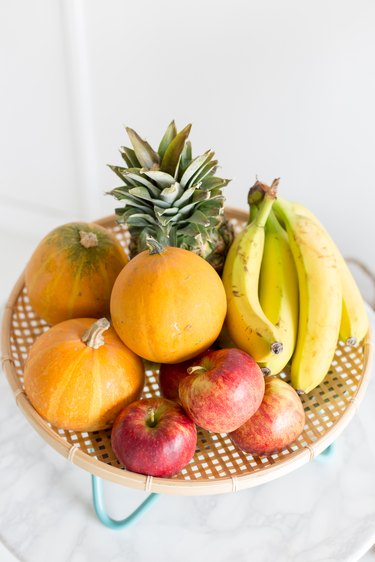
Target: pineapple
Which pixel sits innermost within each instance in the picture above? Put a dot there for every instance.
(173, 197)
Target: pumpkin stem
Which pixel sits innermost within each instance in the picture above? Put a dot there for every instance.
(154, 246)
(88, 239)
(93, 337)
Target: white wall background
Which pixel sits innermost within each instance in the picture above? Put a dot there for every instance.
(276, 88)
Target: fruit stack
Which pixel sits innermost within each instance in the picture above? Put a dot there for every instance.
(221, 317)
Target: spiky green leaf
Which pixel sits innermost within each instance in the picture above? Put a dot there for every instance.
(123, 173)
(129, 156)
(146, 155)
(139, 178)
(170, 194)
(184, 197)
(195, 166)
(213, 182)
(200, 195)
(170, 211)
(185, 159)
(168, 137)
(173, 152)
(199, 218)
(161, 178)
(207, 169)
(140, 219)
(141, 192)
(184, 211)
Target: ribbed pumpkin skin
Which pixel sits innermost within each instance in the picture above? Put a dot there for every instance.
(66, 280)
(74, 386)
(168, 307)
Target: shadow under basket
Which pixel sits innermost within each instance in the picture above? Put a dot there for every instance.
(218, 466)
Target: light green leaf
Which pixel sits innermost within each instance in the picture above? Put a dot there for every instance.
(184, 197)
(173, 152)
(170, 194)
(195, 165)
(141, 192)
(213, 182)
(186, 210)
(139, 178)
(146, 155)
(168, 137)
(161, 178)
(199, 218)
(139, 219)
(200, 195)
(205, 170)
(122, 173)
(185, 160)
(129, 156)
(165, 212)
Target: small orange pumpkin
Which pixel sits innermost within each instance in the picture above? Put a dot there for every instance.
(78, 379)
(168, 304)
(72, 271)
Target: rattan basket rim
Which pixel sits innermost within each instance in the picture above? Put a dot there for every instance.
(203, 486)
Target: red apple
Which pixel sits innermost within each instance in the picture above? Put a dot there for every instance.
(223, 389)
(154, 436)
(170, 375)
(278, 422)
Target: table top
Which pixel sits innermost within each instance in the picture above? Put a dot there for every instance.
(322, 511)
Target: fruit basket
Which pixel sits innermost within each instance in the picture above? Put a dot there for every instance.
(217, 466)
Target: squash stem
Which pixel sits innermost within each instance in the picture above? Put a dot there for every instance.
(88, 239)
(154, 246)
(93, 337)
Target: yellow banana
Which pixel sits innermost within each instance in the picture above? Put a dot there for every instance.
(278, 292)
(320, 298)
(354, 320)
(246, 323)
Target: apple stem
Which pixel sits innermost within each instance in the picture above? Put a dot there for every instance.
(151, 421)
(196, 369)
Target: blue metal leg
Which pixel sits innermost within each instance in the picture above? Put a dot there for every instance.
(98, 500)
(326, 454)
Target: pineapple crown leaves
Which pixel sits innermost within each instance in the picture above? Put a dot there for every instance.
(167, 193)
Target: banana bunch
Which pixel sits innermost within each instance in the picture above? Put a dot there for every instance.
(290, 294)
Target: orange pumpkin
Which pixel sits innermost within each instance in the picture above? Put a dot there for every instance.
(168, 304)
(72, 271)
(77, 378)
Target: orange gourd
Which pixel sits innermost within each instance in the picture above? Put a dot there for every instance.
(168, 304)
(72, 271)
(78, 378)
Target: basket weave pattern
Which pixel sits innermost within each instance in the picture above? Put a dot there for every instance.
(217, 460)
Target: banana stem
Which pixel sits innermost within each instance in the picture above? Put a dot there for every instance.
(281, 209)
(264, 211)
(253, 213)
(261, 198)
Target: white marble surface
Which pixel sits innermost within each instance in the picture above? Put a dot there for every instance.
(321, 512)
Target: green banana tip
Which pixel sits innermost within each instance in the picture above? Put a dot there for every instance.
(259, 190)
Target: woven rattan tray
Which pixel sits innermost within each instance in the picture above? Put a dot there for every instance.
(218, 466)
